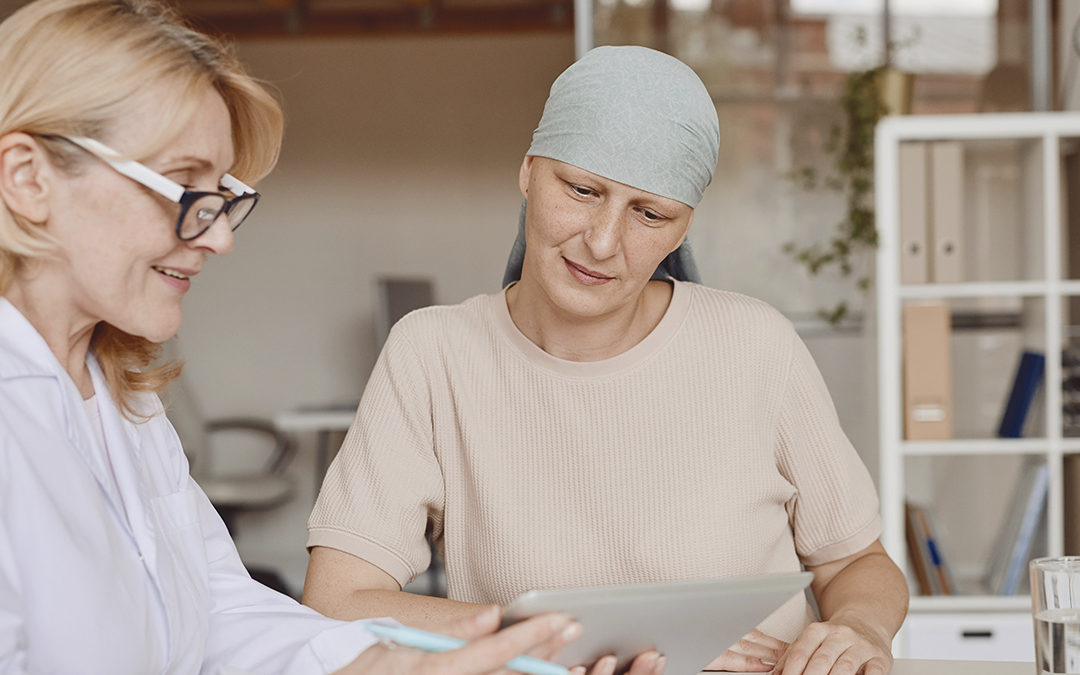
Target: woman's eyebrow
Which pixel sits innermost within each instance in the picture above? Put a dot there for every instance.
(187, 162)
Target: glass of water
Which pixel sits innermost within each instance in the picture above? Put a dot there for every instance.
(1055, 603)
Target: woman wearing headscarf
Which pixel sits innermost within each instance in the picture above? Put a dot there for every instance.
(128, 143)
(603, 421)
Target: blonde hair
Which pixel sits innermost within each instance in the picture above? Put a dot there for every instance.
(72, 67)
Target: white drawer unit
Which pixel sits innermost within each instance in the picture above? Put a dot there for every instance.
(978, 636)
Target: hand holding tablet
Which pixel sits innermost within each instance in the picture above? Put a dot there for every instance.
(689, 622)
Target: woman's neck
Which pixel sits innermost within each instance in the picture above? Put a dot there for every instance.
(68, 338)
(575, 338)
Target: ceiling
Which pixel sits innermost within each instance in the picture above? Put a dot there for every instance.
(285, 18)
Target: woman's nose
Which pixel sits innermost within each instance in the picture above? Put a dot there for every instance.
(218, 238)
(604, 233)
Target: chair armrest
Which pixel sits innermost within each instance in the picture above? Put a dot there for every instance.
(283, 448)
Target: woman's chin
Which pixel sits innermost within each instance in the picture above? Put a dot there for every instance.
(158, 330)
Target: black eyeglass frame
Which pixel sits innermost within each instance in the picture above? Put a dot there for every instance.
(170, 189)
(188, 199)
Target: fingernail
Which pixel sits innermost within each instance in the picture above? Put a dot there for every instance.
(558, 621)
(658, 667)
(606, 665)
(572, 632)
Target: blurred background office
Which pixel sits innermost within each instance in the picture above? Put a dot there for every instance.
(407, 121)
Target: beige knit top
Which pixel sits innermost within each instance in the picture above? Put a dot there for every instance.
(709, 449)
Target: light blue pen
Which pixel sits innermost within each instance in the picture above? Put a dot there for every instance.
(435, 642)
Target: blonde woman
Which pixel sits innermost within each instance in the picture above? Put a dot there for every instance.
(128, 145)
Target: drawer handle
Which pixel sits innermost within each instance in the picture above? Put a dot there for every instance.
(979, 634)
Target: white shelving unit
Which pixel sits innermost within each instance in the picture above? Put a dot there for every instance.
(1043, 135)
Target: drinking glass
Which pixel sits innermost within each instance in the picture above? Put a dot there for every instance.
(1055, 605)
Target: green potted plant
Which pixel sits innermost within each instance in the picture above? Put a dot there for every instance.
(867, 96)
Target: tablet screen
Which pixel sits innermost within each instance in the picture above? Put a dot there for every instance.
(690, 622)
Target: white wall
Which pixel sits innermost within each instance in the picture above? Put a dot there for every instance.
(400, 157)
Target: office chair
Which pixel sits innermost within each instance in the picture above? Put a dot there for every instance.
(397, 296)
(239, 462)
(261, 486)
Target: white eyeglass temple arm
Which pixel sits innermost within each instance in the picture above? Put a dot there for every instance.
(236, 186)
(147, 176)
(132, 169)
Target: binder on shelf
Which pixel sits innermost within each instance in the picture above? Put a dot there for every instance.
(1071, 475)
(946, 211)
(927, 372)
(932, 572)
(914, 224)
(1012, 550)
(942, 574)
(1029, 375)
(920, 561)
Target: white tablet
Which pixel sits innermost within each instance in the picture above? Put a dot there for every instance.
(690, 622)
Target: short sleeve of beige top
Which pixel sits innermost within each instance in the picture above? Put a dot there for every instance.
(709, 449)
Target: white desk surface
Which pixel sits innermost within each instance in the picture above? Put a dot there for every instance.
(928, 667)
(919, 667)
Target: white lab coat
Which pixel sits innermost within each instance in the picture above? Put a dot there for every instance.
(136, 575)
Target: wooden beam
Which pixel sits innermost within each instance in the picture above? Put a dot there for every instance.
(280, 5)
(544, 16)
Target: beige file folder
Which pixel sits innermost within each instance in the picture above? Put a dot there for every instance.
(928, 414)
(914, 213)
(946, 212)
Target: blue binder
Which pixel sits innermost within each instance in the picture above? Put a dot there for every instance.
(1029, 374)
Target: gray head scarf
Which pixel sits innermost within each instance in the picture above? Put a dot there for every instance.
(636, 116)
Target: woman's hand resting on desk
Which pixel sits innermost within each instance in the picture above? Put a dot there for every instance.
(836, 648)
(488, 649)
(863, 599)
(826, 648)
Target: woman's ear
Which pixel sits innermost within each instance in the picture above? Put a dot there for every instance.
(24, 179)
(523, 176)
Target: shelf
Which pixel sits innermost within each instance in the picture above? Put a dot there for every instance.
(1012, 225)
(1004, 289)
(989, 289)
(970, 603)
(988, 446)
(1070, 445)
(979, 446)
(1007, 126)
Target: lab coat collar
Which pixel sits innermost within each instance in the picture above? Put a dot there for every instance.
(24, 353)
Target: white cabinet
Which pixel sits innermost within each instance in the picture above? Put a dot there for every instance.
(1014, 279)
(968, 636)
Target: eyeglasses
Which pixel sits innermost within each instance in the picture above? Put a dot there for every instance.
(198, 210)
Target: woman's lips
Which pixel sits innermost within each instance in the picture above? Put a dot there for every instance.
(180, 279)
(585, 275)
